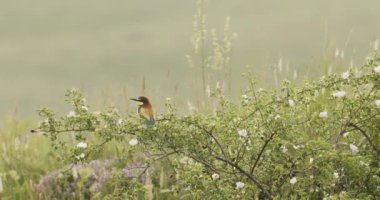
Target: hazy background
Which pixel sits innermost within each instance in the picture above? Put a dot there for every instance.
(105, 48)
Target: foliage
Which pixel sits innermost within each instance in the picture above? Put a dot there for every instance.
(317, 141)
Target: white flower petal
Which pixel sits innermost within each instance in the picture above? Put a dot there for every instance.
(354, 149)
(283, 149)
(345, 75)
(239, 185)
(71, 114)
(377, 102)
(133, 142)
(293, 180)
(215, 176)
(377, 69)
(243, 133)
(339, 94)
(291, 102)
(82, 145)
(323, 114)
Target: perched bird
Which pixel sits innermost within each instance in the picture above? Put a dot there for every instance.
(145, 110)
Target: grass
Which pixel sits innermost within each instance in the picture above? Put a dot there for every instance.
(100, 45)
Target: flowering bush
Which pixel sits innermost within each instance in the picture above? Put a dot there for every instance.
(317, 141)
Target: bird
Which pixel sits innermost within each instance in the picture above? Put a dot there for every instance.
(145, 110)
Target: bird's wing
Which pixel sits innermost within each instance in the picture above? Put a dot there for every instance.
(146, 113)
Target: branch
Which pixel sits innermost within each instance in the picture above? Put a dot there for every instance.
(261, 152)
(366, 136)
(253, 179)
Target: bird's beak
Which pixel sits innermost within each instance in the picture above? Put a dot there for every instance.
(138, 101)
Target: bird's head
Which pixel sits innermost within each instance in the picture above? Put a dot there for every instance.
(142, 100)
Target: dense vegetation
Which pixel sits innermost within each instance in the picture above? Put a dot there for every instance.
(317, 141)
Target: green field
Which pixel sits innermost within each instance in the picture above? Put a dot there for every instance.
(106, 48)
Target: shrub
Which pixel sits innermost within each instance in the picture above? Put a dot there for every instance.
(317, 141)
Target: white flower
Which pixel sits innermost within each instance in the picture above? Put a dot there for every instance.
(339, 94)
(377, 69)
(336, 174)
(293, 180)
(82, 145)
(168, 99)
(354, 149)
(243, 133)
(345, 134)
(291, 102)
(245, 98)
(120, 121)
(239, 185)
(71, 114)
(133, 142)
(345, 75)
(377, 102)
(215, 176)
(323, 114)
(311, 160)
(85, 108)
(277, 117)
(81, 156)
(283, 149)
(296, 147)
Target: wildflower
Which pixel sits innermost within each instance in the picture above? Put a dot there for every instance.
(377, 102)
(283, 149)
(168, 99)
(339, 94)
(291, 102)
(323, 114)
(215, 176)
(85, 108)
(80, 156)
(293, 180)
(336, 174)
(354, 149)
(345, 75)
(120, 121)
(345, 134)
(82, 145)
(239, 185)
(243, 133)
(377, 69)
(311, 160)
(71, 114)
(133, 142)
(277, 117)
(245, 98)
(296, 147)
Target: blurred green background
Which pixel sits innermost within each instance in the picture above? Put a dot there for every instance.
(106, 48)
